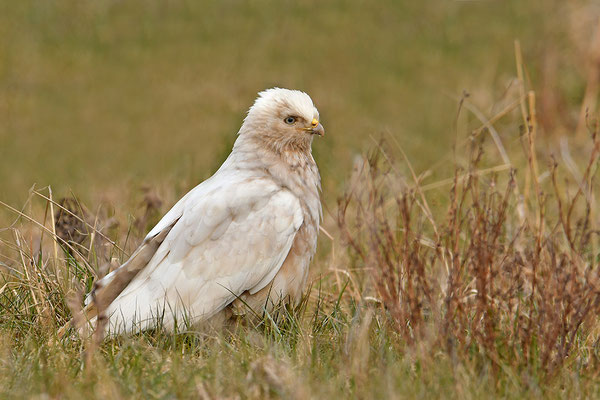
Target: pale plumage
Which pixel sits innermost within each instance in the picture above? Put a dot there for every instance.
(244, 237)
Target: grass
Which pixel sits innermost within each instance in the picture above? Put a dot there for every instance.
(459, 263)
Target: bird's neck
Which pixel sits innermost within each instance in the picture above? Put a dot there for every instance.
(292, 168)
(291, 153)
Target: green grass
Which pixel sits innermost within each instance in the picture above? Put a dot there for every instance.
(102, 99)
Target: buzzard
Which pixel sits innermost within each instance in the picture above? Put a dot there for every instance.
(242, 239)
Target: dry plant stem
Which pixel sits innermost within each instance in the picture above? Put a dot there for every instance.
(497, 117)
(54, 243)
(417, 187)
(43, 228)
(28, 275)
(532, 136)
(93, 235)
(94, 230)
(519, 66)
(531, 125)
(590, 98)
(566, 215)
(461, 178)
(493, 133)
(476, 132)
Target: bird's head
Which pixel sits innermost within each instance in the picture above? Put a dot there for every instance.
(284, 119)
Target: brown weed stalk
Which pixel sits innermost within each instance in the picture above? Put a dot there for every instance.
(499, 280)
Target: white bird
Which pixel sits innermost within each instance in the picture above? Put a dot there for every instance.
(242, 238)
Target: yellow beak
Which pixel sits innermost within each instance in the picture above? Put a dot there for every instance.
(316, 128)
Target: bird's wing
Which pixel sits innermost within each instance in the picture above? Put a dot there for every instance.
(226, 239)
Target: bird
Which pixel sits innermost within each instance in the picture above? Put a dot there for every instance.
(238, 243)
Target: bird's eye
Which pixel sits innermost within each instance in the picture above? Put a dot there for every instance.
(290, 120)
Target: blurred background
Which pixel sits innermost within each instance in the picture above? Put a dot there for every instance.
(104, 99)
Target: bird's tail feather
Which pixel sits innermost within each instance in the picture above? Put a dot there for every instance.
(104, 294)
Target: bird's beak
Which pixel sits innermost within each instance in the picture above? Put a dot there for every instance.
(319, 130)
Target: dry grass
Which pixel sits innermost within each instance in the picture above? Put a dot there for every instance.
(506, 282)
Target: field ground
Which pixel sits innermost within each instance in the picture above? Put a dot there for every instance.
(460, 257)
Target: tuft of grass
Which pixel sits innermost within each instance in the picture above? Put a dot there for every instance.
(508, 284)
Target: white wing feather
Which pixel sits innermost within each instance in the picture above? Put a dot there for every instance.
(232, 236)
